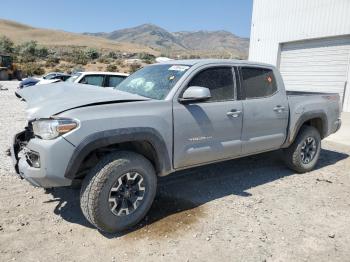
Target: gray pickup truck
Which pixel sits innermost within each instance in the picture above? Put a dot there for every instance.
(163, 118)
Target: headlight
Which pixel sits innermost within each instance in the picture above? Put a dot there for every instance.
(51, 128)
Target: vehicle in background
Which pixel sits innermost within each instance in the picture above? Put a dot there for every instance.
(55, 79)
(9, 70)
(163, 118)
(103, 79)
(46, 79)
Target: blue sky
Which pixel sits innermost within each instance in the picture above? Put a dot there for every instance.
(108, 15)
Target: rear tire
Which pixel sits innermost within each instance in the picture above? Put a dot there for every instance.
(303, 154)
(119, 191)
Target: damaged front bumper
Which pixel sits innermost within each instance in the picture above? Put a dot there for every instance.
(41, 162)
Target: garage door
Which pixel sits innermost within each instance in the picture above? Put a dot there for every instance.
(320, 65)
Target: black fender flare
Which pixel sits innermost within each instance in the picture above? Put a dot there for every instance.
(303, 119)
(111, 137)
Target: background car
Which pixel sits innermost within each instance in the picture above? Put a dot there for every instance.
(103, 79)
(46, 79)
(57, 78)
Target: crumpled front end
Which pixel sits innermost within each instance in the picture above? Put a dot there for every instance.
(41, 162)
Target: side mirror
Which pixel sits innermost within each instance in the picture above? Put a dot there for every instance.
(195, 93)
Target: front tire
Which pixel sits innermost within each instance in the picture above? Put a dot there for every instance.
(303, 154)
(119, 191)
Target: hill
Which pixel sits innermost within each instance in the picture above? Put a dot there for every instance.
(20, 33)
(203, 43)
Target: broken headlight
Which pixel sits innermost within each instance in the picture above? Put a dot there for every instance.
(51, 128)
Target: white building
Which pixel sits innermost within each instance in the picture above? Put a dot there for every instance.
(308, 40)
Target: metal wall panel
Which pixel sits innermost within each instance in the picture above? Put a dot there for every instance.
(320, 65)
(278, 24)
(280, 21)
(316, 65)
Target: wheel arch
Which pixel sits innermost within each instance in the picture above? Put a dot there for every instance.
(316, 119)
(145, 141)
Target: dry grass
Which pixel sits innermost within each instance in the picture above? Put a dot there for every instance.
(20, 33)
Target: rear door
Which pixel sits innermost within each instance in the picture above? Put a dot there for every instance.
(265, 109)
(211, 130)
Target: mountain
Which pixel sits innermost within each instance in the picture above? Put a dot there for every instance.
(199, 42)
(20, 33)
(147, 38)
(147, 34)
(213, 40)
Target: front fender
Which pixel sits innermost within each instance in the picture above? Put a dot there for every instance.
(110, 137)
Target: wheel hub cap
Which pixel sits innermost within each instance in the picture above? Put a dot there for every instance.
(308, 150)
(126, 194)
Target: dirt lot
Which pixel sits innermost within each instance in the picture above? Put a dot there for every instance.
(253, 209)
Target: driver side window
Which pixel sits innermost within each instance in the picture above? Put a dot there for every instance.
(219, 80)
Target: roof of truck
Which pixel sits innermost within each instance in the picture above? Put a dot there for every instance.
(192, 62)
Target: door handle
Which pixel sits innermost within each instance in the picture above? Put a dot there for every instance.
(279, 109)
(234, 113)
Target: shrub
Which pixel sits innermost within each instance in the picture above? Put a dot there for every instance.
(112, 68)
(52, 61)
(6, 45)
(114, 55)
(92, 53)
(42, 52)
(76, 69)
(28, 48)
(147, 57)
(26, 58)
(79, 57)
(134, 67)
(102, 60)
(31, 69)
(119, 62)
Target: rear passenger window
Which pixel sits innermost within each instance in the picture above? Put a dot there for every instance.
(95, 80)
(219, 80)
(258, 82)
(115, 80)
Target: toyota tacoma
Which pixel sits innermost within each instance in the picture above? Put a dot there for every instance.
(164, 118)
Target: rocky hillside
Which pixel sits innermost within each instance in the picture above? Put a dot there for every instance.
(199, 42)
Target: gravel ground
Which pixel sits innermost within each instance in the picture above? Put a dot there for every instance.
(252, 209)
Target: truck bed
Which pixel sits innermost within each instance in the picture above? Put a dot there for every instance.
(324, 105)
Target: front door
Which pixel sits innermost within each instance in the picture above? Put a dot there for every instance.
(209, 131)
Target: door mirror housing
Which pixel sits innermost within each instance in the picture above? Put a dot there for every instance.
(195, 93)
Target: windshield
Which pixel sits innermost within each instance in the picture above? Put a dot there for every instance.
(153, 81)
(73, 78)
(49, 76)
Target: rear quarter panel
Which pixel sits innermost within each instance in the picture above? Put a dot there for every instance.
(308, 106)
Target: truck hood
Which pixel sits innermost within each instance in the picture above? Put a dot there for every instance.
(44, 101)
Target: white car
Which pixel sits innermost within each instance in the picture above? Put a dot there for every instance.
(104, 79)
